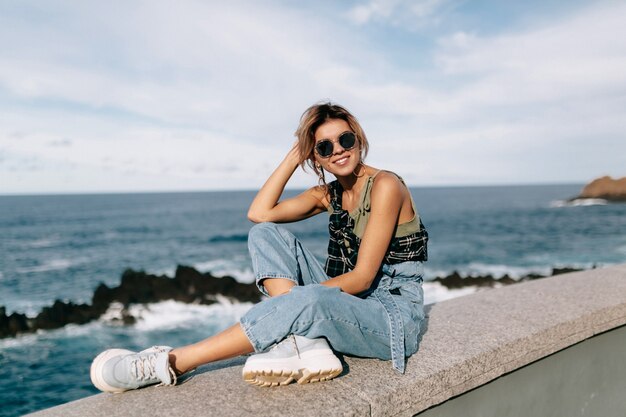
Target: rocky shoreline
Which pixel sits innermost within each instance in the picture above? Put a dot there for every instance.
(188, 286)
(455, 281)
(136, 287)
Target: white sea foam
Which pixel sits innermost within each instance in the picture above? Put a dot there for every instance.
(51, 265)
(434, 292)
(75, 330)
(170, 272)
(169, 314)
(579, 202)
(21, 340)
(498, 271)
(113, 313)
(67, 331)
(233, 268)
(41, 243)
(430, 274)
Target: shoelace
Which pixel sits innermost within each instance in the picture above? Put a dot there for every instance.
(139, 366)
(293, 337)
(173, 374)
(143, 367)
(293, 340)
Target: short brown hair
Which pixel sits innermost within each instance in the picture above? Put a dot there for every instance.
(314, 117)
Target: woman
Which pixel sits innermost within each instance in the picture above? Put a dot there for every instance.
(367, 300)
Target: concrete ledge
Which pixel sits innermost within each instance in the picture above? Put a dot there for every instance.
(467, 342)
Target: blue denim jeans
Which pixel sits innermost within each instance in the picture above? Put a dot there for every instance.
(381, 323)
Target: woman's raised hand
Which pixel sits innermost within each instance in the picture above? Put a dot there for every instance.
(266, 208)
(293, 155)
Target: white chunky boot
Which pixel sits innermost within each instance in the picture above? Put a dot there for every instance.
(296, 358)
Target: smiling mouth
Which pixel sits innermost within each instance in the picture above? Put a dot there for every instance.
(342, 161)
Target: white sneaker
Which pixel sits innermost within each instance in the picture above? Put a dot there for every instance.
(118, 370)
(295, 358)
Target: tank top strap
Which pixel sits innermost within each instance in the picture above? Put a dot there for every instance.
(366, 198)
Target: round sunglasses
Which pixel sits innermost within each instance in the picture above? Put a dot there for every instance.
(325, 147)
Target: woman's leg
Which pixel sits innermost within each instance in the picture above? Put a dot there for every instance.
(226, 344)
(278, 286)
(280, 261)
(352, 325)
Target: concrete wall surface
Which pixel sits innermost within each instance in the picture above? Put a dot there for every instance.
(466, 343)
(587, 379)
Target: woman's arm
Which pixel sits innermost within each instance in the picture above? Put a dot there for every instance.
(265, 206)
(387, 197)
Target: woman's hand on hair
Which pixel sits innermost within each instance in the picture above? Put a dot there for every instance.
(293, 155)
(266, 206)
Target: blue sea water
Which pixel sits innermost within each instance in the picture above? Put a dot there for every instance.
(61, 247)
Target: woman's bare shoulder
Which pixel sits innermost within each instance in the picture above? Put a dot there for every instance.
(387, 182)
(321, 194)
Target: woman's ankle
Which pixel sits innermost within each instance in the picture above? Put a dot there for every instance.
(278, 286)
(175, 363)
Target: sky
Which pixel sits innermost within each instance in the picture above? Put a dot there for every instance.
(158, 95)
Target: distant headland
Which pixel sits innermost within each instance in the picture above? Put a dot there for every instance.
(605, 188)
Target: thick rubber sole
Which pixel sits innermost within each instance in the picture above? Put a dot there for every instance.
(271, 378)
(311, 367)
(96, 370)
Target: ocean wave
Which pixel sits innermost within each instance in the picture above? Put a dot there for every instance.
(218, 268)
(229, 238)
(161, 316)
(434, 292)
(174, 314)
(498, 271)
(50, 265)
(40, 243)
(233, 268)
(68, 331)
(18, 341)
(578, 202)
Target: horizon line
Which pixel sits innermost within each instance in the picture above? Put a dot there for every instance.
(189, 191)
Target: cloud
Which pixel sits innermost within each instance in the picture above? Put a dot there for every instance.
(580, 57)
(60, 142)
(410, 14)
(543, 104)
(200, 64)
(203, 95)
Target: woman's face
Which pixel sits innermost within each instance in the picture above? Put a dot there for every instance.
(341, 162)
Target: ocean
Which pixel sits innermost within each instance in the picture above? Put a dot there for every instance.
(63, 246)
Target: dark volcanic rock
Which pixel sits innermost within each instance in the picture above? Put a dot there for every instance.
(557, 271)
(136, 287)
(13, 324)
(456, 281)
(61, 313)
(188, 286)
